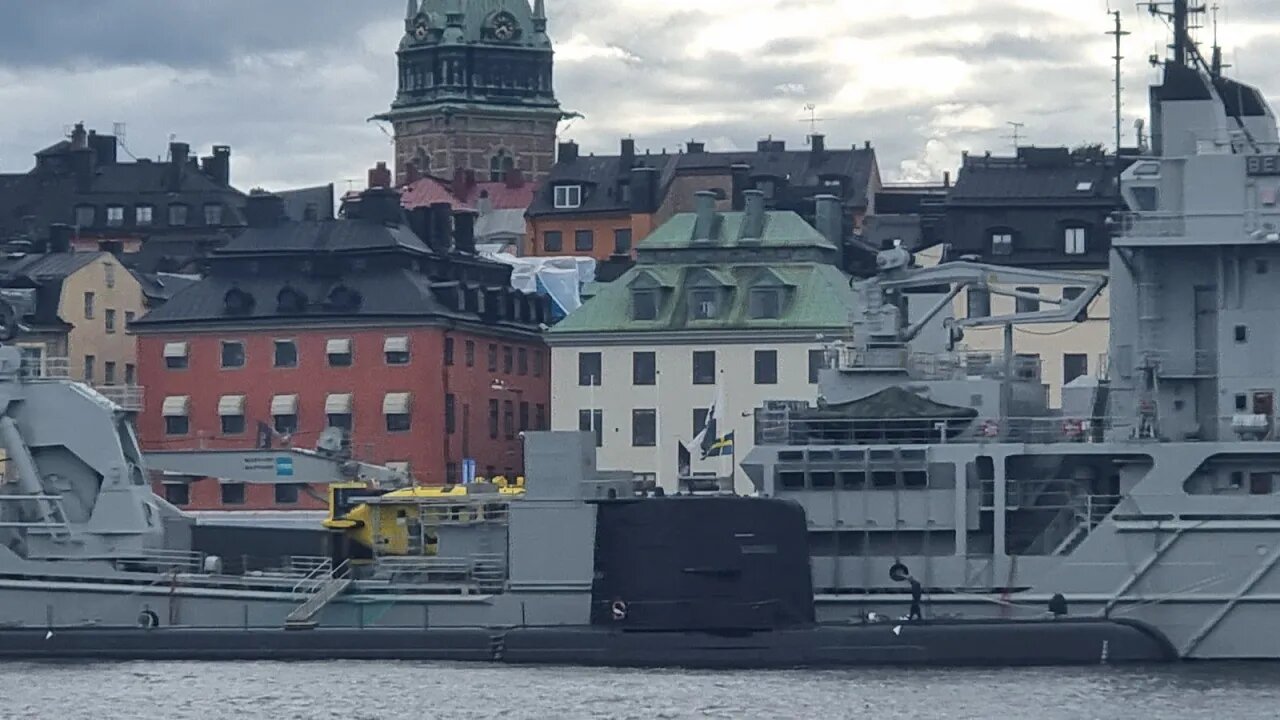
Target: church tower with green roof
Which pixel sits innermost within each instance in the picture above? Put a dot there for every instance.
(475, 90)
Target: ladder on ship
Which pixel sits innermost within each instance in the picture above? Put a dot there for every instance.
(324, 585)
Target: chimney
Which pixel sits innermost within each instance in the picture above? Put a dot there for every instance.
(441, 227)
(513, 177)
(568, 152)
(104, 148)
(264, 210)
(644, 189)
(420, 223)
(178, 154)
(866, 145)
(753, 214)
(484, 204)
(82, 166)
(828, 219)
(694, 147)
(79, 139)
(771, 145)
(627, 157)
(818, 143)
(60, 238)
(741, 176)
(704, 225)
(946, 179)
(380, 205)
(464, 232)
(380, 176)
(411, 174)
(218, 167)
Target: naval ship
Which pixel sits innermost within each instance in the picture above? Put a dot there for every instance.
(1155, 498)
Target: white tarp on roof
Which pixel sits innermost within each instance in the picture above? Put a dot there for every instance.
(560, 278)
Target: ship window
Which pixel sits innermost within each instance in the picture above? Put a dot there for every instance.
(1147, 199)
(286, 494)
(1242, 334)
(822, 480)
(853, 479)
(1260, 267)
(1237, 479)
(915, 479)
(1242, 402)
(979, 302)
(884, 479)
(791, 480)
(1028, 305)
(1260, 483)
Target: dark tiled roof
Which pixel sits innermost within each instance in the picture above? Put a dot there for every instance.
(332, 236)
(800, 169)
(299, 201)
(163, 286)
(1037, 175)
(45, 266)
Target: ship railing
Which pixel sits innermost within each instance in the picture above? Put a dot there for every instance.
(167, 560)
(786, 428)
(314, 575)
(1152, 224)
(483, 571)
(960, 365)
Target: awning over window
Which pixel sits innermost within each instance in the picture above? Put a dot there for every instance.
(396, 345)
(395, 404)
(177, 405)
(284, 405)
(337, 404)
(175, 350)
(231, 405)
(338, 346)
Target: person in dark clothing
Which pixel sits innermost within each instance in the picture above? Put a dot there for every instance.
(916, 592)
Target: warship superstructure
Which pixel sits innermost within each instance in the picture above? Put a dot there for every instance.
(1154, 495)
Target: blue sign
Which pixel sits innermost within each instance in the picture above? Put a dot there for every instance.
(284, 467)
(468, 471)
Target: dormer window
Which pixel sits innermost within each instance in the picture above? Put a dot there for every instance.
(766, 303)
(143, 215)
(212, 214)
(115, 215)
(177, 215)
(704, 303)
(1074, 241)
(568, 196)
(85, 216)
(644, 304)
(1002, 242)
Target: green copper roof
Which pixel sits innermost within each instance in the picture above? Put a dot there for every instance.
(781, 229)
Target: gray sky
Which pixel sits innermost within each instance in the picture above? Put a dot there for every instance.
(290, 83)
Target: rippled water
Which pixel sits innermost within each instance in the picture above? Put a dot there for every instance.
(368, 690)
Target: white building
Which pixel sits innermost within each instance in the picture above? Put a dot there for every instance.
(737, 301)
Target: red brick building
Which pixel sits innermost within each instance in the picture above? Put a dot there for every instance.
(387, 327)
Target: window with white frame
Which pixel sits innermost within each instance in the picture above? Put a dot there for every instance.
(568, 196)
(1074, 241)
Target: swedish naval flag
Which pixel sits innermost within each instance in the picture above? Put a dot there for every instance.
(721, 447)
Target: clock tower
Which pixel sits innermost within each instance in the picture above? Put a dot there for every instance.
(475, 89)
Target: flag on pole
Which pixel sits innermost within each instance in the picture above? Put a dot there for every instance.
(684, 460)
(722, 447)
(710, 442)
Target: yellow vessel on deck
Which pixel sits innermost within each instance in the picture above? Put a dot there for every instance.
(402, 522)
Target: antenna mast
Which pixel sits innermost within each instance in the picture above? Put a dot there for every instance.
(1017, 134)
(1119, 33)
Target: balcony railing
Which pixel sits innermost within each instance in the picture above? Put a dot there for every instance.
(782, 428)
(1153, 224)
(129, 397)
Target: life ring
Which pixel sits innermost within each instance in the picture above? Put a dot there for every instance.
(148, 620)
(899, 572)
(618, 611)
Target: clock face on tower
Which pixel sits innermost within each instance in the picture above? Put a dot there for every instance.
(420, 30)
(504, 26)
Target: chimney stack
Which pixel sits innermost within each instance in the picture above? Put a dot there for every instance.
(264, 210)
(628, 155)
(178, 156)
(380, 205)
(60, 238)
(79, 138)
(420, 223)
(644, 189)
(441, 227)
(568, 152)
(818, 143)
(104, 148)
(828, 219)
(741, 178)
(411, 174)
(694, 147)
(380, 176)
(753, 214)
(464, 232)
(218, 166)
(704, 226)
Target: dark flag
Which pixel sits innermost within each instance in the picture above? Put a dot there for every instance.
(684, 461)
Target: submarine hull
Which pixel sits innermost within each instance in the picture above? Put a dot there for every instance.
(942, 643)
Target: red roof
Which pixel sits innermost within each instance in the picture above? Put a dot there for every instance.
(516, 194)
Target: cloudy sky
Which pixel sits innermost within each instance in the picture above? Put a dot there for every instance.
(290, 83)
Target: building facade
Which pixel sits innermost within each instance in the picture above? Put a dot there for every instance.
(601, 206)
(77, 322)
(411, 352)
(1047, 209)
(154, 215)
(475, 90)
(729, 304)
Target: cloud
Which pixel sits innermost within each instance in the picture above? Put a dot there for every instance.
(290, 84)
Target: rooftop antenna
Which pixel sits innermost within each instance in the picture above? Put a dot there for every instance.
(813, 121)
(1216, 63)
(1119, 32)
(1178, 13)
(1017, 134)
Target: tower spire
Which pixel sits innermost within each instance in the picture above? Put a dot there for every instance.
(539, 16)
(412, 12)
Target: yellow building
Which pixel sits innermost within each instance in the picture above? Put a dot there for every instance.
(78, 326)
